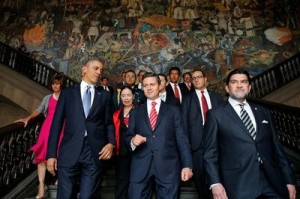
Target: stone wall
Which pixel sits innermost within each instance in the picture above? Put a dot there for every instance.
(21, 95)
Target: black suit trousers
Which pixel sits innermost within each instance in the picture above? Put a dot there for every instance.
(85, 174)
(199, 174)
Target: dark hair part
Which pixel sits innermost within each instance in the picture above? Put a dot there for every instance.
(163, 75)
(238, 71)
(60, 78)
(175, 68)
(199, 70)
(127, 87)
(148, 74)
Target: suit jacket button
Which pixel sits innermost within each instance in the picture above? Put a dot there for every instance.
(153, 136)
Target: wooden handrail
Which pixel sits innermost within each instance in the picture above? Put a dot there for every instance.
(16, 162)
(287, 123)
(276, 77)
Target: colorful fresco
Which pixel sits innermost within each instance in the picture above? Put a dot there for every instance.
(153, 35)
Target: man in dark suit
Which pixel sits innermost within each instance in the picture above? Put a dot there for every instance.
(104, 85)
(130, 78)
(243, 157)
(163, 93)
(173, 89)
(88, 136)
(193, 117)
(140, 76)
(186, 86)
(158, 143)
(121, 84)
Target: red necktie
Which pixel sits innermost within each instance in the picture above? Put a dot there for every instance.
(204, 104)
(176, 91)
(153, 115)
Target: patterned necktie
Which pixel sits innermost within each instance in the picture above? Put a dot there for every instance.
(176, 91)
(204, 105)
(153, 115)
(249, 125)
(86, 100)
(247, 121)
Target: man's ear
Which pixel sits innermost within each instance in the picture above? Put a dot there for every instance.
(83, 69)
(227, 89)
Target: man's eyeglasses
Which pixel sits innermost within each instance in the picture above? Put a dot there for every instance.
(197, 77)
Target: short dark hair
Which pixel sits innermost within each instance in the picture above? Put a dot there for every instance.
(187, 73)
(60, 78)
(238, 71)
(131, 71)
(141, 71)
(161, 74)
(149, 74)
(100, 59)
(175, 68)
(199, 70)
(103, 78)
(128, 87)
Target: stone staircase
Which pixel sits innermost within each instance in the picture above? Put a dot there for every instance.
(108, 187)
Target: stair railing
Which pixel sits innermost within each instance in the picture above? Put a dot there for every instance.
(287, 123)
(31, 68)
(275, 77)
(16, 162)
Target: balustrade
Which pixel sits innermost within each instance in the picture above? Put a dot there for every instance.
(276, 77)
(16, 162)
(33, 69)
(287, 123)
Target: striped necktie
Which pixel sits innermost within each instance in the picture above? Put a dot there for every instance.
(249, 125)
(153, 115)
(247, 121)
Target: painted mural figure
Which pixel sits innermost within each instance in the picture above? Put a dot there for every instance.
(177, 9)
(93, 31)
(227, 44)
(135, 10)
(190, 9)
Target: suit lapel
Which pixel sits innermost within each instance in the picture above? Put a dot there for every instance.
(212, 99)
(196, 99)
(145, 115)
(77, 96)
(257, 119)
(97, 96)
(162, 111)
(236, 118)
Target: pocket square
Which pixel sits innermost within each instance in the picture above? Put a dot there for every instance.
(265, 122)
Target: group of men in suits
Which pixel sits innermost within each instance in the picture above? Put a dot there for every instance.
(190, 133)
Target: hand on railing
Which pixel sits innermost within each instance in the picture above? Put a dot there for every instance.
(23, 120)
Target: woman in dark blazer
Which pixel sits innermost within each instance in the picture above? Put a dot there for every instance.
(123, 156)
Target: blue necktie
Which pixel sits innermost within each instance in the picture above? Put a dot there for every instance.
(86, 101)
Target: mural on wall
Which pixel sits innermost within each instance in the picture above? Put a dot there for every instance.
(153, 35)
